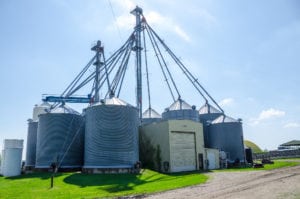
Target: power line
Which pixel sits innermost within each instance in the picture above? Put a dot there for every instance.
(113, 13)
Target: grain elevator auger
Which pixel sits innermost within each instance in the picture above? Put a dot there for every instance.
(138, 12)
(82, 79)
(142, 37)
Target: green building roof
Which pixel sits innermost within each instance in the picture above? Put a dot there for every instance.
(292, 143)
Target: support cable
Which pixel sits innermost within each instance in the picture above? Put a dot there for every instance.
(193, 80)
(165, 64)
(164, 74)
(147, 72)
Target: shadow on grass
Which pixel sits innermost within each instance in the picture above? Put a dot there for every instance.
(120, 182)
(42, 176)
(108, 182)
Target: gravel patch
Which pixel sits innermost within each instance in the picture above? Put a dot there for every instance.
(278, 183)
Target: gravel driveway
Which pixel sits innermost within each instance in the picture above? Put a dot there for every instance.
(278, 183)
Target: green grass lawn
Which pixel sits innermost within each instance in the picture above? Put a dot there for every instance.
(277, 164)
(77, 185)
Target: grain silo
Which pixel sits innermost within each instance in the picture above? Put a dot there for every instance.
(111, 136)
(208, 113)
(226, 134)
(60, 139)
(40, 109)
(31, 144)
(150, 116)
(180, 110)
(11, 157)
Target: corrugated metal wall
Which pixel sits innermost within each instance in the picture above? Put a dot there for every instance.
(228, 137)
(56, 132)
(184, 114)
(111, 136)
(31, 143)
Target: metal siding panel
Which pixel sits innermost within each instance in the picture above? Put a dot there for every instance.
(111, 136)
(55, 134)
(183, 151)
(31, 143)
(227, 137)
(185, 114)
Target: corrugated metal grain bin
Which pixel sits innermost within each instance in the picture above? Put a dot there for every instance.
(150, 116)
(60, 138)
(111, 135)
(226, 134)
(31, 144)
(180, 110)
(208, 113)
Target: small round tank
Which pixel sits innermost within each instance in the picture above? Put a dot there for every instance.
(111, 135)
(180, 110)
(31, 144)
(226, 134)
(60, 138)
(11, 157)
(150, 116)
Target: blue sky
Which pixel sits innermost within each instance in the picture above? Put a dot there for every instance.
(245, 53)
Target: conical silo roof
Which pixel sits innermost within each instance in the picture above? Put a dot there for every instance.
(225, 119)
(151, 113)
(179, 105)
(207, 108)
(112, 101)
(64, 109)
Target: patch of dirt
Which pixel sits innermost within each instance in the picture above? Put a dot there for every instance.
(278, 183)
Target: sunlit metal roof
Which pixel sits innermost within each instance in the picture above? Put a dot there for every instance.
(151, 113)
(207, 108)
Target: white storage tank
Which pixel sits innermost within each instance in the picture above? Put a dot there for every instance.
(12, 157)
(150, 116)
(111, 135)
(60, 138)
(180, 110)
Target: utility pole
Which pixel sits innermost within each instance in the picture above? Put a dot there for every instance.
(138, 50)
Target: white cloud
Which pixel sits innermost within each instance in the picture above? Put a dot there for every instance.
(182, 34)
(126, 21)
(266, 115)
(292, 125)
(226, 102)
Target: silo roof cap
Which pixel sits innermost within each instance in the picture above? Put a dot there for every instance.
(207, 108)
(43, 104)
(225, 119)
(64, 109)
(151, 113)
(112, 101)
(179, 105)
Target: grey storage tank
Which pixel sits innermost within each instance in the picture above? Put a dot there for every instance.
(111, 135)
(60, 139)
(180, 110)
(150, 116)
(208, 113)
(226, 134)
(31, 144)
